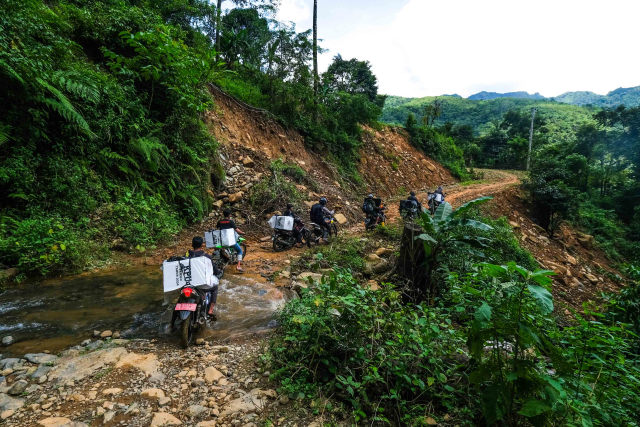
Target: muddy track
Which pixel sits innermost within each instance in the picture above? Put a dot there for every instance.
(457, 194)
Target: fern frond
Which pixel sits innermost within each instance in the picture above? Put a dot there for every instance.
(77, 84)
(4, 133)
(7, 68)
(64, 107)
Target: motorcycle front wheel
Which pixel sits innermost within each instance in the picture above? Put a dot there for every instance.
(186, 332)
(278, 244)
(334, 229)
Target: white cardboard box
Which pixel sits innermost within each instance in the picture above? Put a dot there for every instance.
(281, 222)
(195, 271)
(217, 238)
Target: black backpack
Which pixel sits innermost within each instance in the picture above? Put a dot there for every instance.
(316, 214)
(367, 207)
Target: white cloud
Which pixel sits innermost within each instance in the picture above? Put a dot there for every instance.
(296, 11)
(465, 46)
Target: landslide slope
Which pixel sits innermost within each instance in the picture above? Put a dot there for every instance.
(387, 161)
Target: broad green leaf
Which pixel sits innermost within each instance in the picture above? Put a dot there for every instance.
(470, 223)
(427, 238)
(63, 246)
(543, 297)
(533, 408)
(442, 377)
(443, 212)
(483, 313)
(430, 380)
(494, 270)
(462, 209)
(299, 318)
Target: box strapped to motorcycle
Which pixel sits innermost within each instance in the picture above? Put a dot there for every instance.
(198, 272)
(220, 238)
(281, 222)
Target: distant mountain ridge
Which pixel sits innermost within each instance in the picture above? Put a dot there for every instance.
(628, 96)
(485, 96)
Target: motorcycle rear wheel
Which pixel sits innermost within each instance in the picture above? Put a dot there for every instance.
(278, 244)
(186, 332)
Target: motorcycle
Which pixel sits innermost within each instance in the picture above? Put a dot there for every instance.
(435, 200)
(191, 309)
(374, 219)
(409, 210)
(315, 234)
(225, 255)
(284, 239)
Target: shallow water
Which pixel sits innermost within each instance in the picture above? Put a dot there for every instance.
(59, 313)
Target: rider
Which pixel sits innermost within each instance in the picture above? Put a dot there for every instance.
(227, 223)
(440, 191)
(414, 199)
(318, 213)
(296, 220)
(197, 251)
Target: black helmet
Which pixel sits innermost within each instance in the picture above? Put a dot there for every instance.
(413, 193)
(226, 212)
(289, 205)
(323, 201)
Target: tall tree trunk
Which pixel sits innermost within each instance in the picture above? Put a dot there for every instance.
(315, 51)
(218, 21)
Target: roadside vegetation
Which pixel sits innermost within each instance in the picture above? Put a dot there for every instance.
(484, 344)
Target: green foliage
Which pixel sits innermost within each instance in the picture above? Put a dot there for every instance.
(344, 252)
(274, 191)
(385, 359)
(446, 228)
(102, 115)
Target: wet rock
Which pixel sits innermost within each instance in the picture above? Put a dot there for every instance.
(39, 358)
(77, 368)
(85, 343)
(106, 334)
(8, 340)
(94, 345)
(7, 402)
(9, 363)
(164, 419)
(18, 387)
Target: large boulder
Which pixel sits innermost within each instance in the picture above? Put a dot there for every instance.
(340, 218)
(78, 368)
(212, 375)
(236, 197)
(8, 403)
(316, 278)
(39, 358)
(247, 162)
(373, 264)
(586, 241)
(254, 401)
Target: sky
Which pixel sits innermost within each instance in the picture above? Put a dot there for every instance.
(424, 47)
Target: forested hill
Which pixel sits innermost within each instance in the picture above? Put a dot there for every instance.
(483, 96)
(562, 118)
(629, 97)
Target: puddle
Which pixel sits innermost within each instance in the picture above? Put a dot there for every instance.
(56, 314)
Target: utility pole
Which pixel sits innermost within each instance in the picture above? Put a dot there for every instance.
(533, 116)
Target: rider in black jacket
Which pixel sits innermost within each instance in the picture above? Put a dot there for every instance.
(296, 221)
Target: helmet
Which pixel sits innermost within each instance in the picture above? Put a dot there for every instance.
(370, 196)
(323, 201)
(440, 188)
(289, 205)
(413, 193)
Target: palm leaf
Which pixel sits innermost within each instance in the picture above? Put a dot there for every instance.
(462, 209)
(470, 223)
(7, 68)
(443, 212)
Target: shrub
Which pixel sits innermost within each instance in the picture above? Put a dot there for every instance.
(365, 347)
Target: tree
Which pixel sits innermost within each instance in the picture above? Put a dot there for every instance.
(352, 76)
(411, 124)
(244, 38)
(315, 51)
(431, 112)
